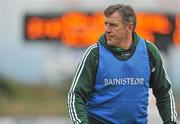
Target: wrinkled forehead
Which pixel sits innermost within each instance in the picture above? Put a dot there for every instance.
(113, 18)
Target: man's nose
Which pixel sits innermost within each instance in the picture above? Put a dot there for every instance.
(107, 29)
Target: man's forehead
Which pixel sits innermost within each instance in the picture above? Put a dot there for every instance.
(114, 17)
(112, 20)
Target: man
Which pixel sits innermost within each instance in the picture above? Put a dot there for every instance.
(112, 81)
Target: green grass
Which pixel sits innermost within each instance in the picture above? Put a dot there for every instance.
(34, 100)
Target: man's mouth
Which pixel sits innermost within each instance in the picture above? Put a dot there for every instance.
(108, 36)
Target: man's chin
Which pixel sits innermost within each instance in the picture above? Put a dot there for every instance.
(109, 43)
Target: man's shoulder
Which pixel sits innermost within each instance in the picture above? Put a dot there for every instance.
(92, 51)
(153, 51)
(152, 47)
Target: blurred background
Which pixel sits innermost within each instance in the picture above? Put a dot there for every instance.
(42, 41)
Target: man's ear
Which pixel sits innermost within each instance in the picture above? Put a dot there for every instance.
(130, 26)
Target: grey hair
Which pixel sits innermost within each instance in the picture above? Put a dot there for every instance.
(126, 11)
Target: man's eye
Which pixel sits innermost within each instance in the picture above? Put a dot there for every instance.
(112, 24)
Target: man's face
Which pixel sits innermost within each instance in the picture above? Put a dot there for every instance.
(116, 30)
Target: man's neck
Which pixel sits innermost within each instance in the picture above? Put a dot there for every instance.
(126, 43)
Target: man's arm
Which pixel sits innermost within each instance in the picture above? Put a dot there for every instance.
(161, 85)
(82, 86)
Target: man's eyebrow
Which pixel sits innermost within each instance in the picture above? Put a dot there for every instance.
(112, 23)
